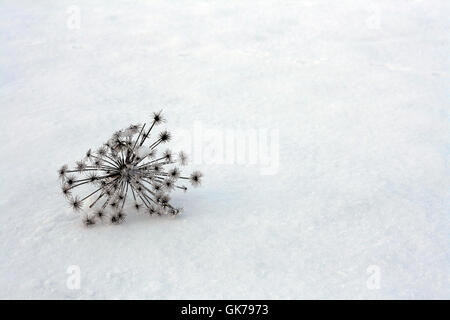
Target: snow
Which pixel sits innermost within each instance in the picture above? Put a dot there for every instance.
(356, 92)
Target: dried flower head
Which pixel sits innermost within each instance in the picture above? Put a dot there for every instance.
(195, 178)
(76, 203)
(88, 221)
(127, 168)
(63, 171)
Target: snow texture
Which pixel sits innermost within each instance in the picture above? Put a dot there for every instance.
(357, 90)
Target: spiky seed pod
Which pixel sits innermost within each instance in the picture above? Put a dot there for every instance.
(165, 200)
(167, 155)
(121, 216)
(151, 210)
(114, 219)
(63, 171)
(70, 180)
(97, 163)
(65, 189)
(195, 178)
(158, 197)
(158, 118)
(80, 166)
(88, 221)
(169, 185)
(124, 167)
(93, 176)
(174, 173)
(165, 136)
(76, 203)
(102, 151)
(100, 214)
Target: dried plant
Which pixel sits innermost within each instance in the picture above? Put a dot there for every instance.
(125, 169)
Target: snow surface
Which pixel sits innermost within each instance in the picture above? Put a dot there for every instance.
(358, 91)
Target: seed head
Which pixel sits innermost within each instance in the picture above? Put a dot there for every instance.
(168, 155)
(101, 152)
(100, 213)
(158, 118)
(76, 203)
(169, 185)
(195, 178)
(174, 173)
(151, 210)
(70, 180)
(80, 165)
(165, 136)
(65, 189)
(88, 221)
(62, 171)
(125, 169)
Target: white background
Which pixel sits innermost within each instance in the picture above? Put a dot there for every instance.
(359, 91)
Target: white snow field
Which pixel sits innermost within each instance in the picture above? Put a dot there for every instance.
(357, 91)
